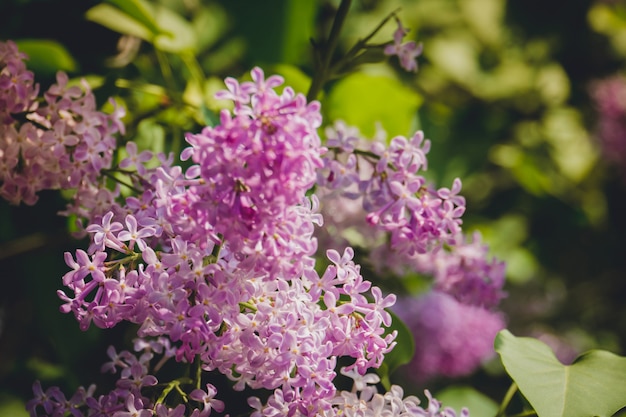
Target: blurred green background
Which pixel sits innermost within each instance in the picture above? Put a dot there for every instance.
(503, 92)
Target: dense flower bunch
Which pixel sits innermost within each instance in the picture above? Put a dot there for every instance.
(397, 199)
(393, 198)
(452, 338)
(59, 142)
(231, 279)
(256, 167)
(216, 263)
(19, 90)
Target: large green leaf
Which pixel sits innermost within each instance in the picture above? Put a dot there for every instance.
(593, 385)
(139, 11)
(46, 57)
(118, 21)
(154, 23)
(362, 100)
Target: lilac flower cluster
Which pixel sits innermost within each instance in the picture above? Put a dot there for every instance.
(395, 196)
(452, 338)
(256, 166)
(19, 90)
(127, 399)
(59, 142)
(365, 400)
(230, 279)
(216, 263)
(385, 182)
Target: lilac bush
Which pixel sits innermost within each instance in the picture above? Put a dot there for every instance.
(219, 264)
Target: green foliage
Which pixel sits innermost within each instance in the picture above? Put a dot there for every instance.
(458, 397)
(155, 23)
(362, 100)
(593, 385)
(401, 354)
(46, 57)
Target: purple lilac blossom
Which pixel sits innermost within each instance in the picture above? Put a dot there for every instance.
(457, 265)
(406, 52)
(452, 338)
(17, 84)
(230, 284)
(397, 199)
(63, 143)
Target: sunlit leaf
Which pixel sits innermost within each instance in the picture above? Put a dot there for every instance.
(118, 21)
(476, 402)
(138, 10)
(12, 406)
(46, 57)
(593, 385)
(405, 348)
(362, 100)
(177, 34)
(294, 77)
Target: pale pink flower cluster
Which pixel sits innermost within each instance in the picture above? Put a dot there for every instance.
(59, 142)
(365, 400)
(19, 90)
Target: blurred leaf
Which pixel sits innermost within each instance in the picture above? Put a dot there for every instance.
(45, 370)
(477, 403)
(138, 11)
(118, 21)
(298, 29)
(591, 386)
(12, 406)
(276, 33)
(209, 23)
(362, 100)
(405, 347)
(211, 118)
(177, 34)
(150, 136)
(294, 77)
(46, 57)
(572, 149)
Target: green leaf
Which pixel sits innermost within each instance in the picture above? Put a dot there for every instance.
(362, 100)
(294, 77)
(46, 57)
(403, 352)
(477, 403)
(118, 21)
(138, 10)
(593, 385)
(177, 34)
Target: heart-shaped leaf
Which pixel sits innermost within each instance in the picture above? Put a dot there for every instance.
(593, 385)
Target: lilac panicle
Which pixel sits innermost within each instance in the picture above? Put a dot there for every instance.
(62, 143)
(219, 259)
(452, 339)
